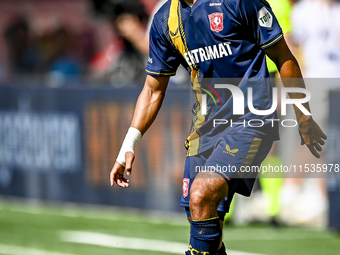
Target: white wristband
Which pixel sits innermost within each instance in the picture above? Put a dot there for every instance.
(131, 139)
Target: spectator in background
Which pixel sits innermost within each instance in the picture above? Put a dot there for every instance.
(58, 57)
(130, 20)
(22, 57)
(65, 55)
(316, 29)
(56, 54)
(133, 31)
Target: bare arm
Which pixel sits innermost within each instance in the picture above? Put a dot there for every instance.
(149, 102)
(288, 67)
(148, 105)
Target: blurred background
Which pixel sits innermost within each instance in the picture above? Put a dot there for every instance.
(70, 74)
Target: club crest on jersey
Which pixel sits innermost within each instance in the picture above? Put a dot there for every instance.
(185, 187)
(216, 21)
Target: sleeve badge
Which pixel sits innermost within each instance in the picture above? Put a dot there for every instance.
(265, 18)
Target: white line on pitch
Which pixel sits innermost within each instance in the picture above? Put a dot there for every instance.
(18, 250)
(130, 243)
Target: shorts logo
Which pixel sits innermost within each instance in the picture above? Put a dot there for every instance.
(230, 151)
(265, 18)
(185, 187)
(216, 21)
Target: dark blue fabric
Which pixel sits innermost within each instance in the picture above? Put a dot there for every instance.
(232, 163)
(204, 237)
(243, 64)
(240, 28)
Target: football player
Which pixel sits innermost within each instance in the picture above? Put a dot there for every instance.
(218, 40)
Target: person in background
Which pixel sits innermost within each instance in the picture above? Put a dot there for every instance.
(19, 40)
(130, 18)
(133, 31)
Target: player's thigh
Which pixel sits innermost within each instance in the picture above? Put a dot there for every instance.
(208, 188)
(232, 152)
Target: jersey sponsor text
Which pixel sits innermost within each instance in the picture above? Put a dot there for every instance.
(208, 53)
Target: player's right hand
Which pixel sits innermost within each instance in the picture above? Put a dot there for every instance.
(117, 172)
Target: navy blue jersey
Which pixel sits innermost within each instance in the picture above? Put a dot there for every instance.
(218, 39)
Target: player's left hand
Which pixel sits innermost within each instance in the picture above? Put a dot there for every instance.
(312, 135)
(117, 172)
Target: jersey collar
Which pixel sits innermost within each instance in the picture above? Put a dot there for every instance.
(188, 8)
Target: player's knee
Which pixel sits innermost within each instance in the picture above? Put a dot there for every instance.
(198, 198)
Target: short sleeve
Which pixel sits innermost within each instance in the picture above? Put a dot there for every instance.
(163, 58)
(261, 22)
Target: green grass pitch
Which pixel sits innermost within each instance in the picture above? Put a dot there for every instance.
(85, 230)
